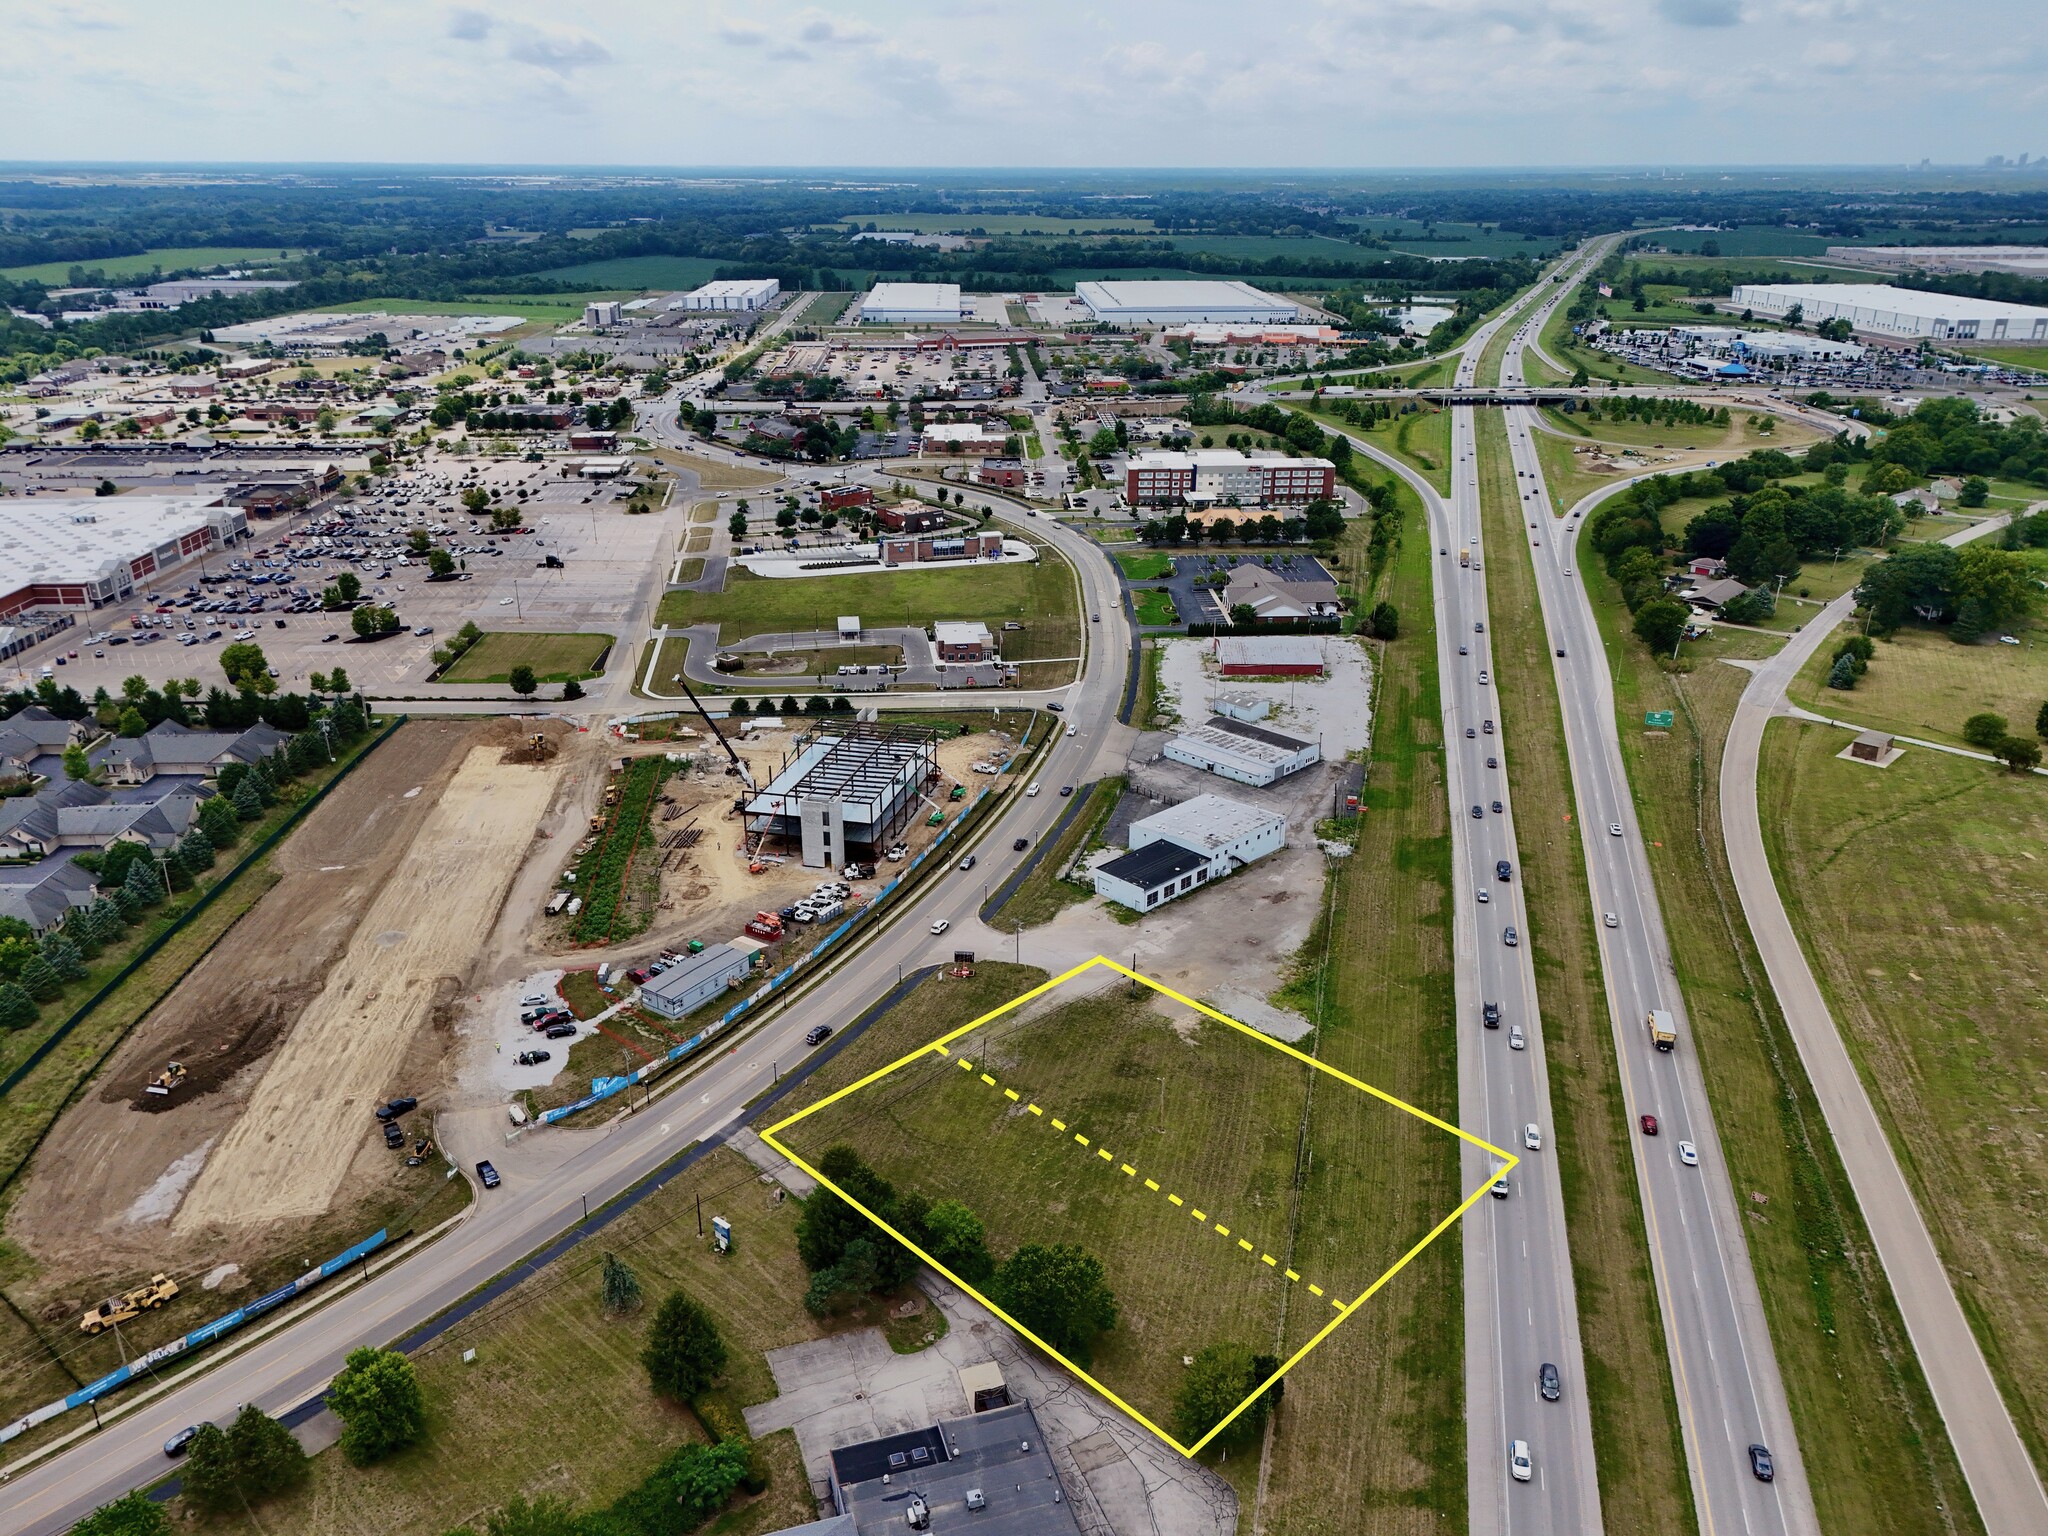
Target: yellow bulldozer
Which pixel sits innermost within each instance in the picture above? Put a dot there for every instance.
(129, 1304)
(167, 1079)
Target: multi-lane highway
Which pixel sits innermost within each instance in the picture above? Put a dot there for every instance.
(1729, 1392)
(543, 1195)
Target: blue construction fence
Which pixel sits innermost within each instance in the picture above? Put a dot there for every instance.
(205, 1334)
(608, 1087)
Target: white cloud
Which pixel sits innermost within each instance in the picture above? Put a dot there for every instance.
(561, 53)
(468, 26)
(1701, 13)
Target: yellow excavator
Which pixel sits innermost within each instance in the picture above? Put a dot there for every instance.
(129, 1304)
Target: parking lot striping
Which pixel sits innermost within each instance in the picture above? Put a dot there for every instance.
(1508, 1161)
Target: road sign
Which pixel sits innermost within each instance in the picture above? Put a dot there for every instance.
(1658, 719)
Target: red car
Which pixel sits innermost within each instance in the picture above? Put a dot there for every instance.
(1649, 1125)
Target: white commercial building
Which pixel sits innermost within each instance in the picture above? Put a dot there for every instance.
(731, 293)
(1250, 754)
(2026, 260)
(88, 551)
(1186, 846)
(1177, 302)
(1767, 346)
(1889, 311)
(911, 304)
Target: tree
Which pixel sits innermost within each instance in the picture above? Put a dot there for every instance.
(247, 802)
(621, 1285)
(210, 1483)
(2041, 722)
(266, 1457)
(1975, 491)
(1842, 674)
(523, 682)
(1985, 730)
(736, 525)
(572, 689)
(133, 1514)
(1220, 1379)
(2018, 753)
(197, 850)
(64, 957)
(476, 498)
(377, 1398)
(684, 1353)
(39, 979)
(1243, 615)
(1059, 1293)
(546, 1516)
(440, 562)
(372, 621)
(17, 1008)
(76, 764)
(1384, 621)
(418, 542)
(220, 819)
(955, 1237)
(338, 680)
(1660, 622)
(132, 724)
(143, 887)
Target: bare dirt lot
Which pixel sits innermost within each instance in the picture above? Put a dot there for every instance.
(412, 949)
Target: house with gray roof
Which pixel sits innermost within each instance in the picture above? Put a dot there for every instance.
(32, 733)
(168, 747)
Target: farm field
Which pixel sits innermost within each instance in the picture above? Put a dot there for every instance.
(555, 658)
(1872, 1443)
(635, 272)
(1454, 239)
(169, 258)
(1934, 1002)
(539, 311)
(1784, 270)
(1039, 595)
(992, 223)
(1161, 1141)
(1921, 683)
(548, 1353)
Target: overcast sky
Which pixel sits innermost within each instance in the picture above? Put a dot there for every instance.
(1366, 83)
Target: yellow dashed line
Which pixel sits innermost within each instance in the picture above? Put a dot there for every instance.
(1197, 1214)
(1173, 1200)
(1059, 1125)
(1316, 1289)
(1103, 1153)
(1130, 1170)
(1080, 1138)
(1267, 1258)
(987, 1079)
(966, 1065)
(1247, 1247)
(942, 1050)
(1292, 1275)
(1034, 1109)
(1153, 1185)
(1222, 1230)
(1337, 1304)
(1010, 1093)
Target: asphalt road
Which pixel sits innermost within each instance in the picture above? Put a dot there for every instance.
(2002, 1478)
(1724, 1372)
(295, 1363)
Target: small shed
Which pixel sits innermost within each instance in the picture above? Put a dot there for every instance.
(1871, 746)
(1242, 705)
(849, 626)
(984, 1387)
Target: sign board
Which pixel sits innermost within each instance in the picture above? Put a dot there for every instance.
(1658, 719)
(721, 1233)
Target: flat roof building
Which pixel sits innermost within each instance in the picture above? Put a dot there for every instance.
(88, 551)
(911, 304)
(1243, 752)
(1887, 311)
(1186, 846)
(694, 980)
(730, 294)
(602, 314)
(989, 1473)
(1269, 656)
(2026, 260)
(1217, 477)
(966, 640)
(1179, 302)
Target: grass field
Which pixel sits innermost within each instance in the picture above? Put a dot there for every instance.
(1155, 607)
(1421, 438)
(169, 258)
(1782, 270)
(637, 272)
(1151, 566)
(554, 658)
(540, 311)
(990, 223)
(716, 474)
(1873, 1446)
(2013, 356)
(547, 1354)
(1937, 1004)
(1921, 683)
(1040, 595)
(1041, 895)
(1643, 1484)
(1403, 235)
(1738, 437)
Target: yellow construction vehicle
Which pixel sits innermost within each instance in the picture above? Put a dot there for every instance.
(129, 1304)
(167, 1079)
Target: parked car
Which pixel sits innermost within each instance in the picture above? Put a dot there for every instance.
(817, 1034)
(559, 1031)
(393, 1136)
(487, 1174)
(397, 1107)
(533, 1058)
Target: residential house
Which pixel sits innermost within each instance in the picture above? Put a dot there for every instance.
(170, 748)
(1272, 597)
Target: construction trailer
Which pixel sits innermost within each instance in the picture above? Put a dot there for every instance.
(844, 789)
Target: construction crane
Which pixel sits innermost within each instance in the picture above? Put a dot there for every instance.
(739, 767)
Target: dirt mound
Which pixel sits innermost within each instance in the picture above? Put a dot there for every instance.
(234, 1032)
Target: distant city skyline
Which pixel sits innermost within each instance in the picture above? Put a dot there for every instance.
(1059, 84)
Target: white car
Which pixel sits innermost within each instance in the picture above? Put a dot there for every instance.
(1516, 1042)
(941, 926)
(1483, 678)
(1614, 829)
(1518, 1461)
(1073, 730)
(1610, 920)
(1032, 792)
(1532, 1138)
(1688, 1154)
(504, 602)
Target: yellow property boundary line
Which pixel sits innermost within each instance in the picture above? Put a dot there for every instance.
(939, 1046)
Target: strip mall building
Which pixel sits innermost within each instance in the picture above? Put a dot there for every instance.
(85, 552)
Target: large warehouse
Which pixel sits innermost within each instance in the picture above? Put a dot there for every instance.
(731, 293)
(844, 790)
(88, 551)
(1888, 311)
(1250, 754)
(911, 304)
(1173, 302)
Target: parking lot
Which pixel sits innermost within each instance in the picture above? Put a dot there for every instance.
(504, 584)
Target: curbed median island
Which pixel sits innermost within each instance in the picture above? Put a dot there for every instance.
(554, 658)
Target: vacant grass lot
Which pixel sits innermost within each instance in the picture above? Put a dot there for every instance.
(548, 1357)
(1559, 342)
(1199, 1109)
(1146, 567)
(1738, 437)
(1939, 1006)
(1921, 683)
(715, 474)
(1155, 607)
(1421, 438)
(1874, 1448)
(637, 272)
(1643, 1485)
(168, 258)
(555, 658)
(1040, 596)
